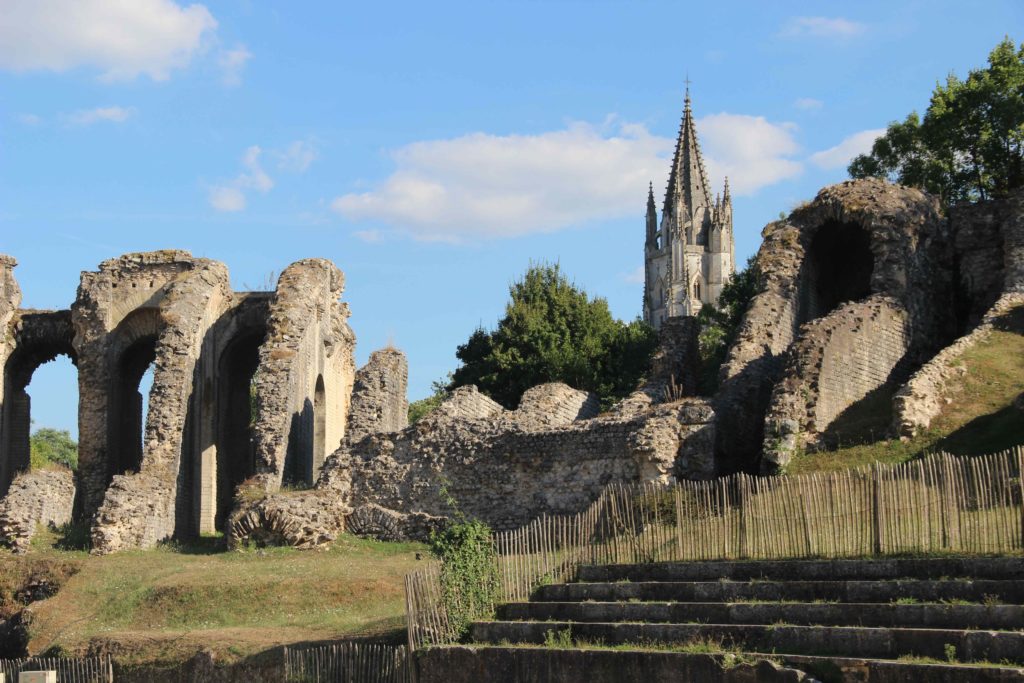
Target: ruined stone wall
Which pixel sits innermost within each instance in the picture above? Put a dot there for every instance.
(308, 337)
(379, 395)
(142, 508)
(33, 338)
(504, 467)
(141, 483)
(10, 299)
(989, 252)
(507, 472)
(122, 287)
(44, 496)
(906, 246)
(837, 361)
(922, 398)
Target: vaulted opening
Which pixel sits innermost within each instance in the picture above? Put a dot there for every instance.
(235, 414)
(131, 378)
(54, 383)
(837, 269)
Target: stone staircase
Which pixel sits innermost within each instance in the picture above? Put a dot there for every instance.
(877, 620)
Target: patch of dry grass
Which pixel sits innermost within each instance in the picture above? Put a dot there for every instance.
(164, 605)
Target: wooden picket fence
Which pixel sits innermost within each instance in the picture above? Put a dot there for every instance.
(348, 663)
(941, 503)
(81, 670)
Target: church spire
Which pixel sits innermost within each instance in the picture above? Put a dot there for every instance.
(687, 184)
(652, 216)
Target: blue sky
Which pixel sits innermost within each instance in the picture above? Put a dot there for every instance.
(431, 150)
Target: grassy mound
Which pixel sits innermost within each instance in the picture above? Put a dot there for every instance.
(980, 418)
(162, 606)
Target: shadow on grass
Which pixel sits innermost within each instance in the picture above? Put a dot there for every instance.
(202, 545)
(990, 433)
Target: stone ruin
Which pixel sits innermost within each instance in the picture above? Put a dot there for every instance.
(248, 387)
(259, 425)
(863, 286)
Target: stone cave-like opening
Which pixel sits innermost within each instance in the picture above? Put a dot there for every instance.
(838, 269)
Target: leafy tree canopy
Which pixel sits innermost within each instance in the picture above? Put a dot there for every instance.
(969, 145)
(52, 446)
(418, 409)
(554, 332)
(719, 325)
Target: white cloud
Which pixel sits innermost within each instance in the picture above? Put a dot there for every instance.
(483, 186)
(750, 150)
(231, 63)
(821, 27)
(841, 155)
(230, 196)
(808, 103)
(369, 236)
(87, 117)
(29, 119)
(121, 39)
(227, 198)
(255, 177)
(635, 276)
(296, 157)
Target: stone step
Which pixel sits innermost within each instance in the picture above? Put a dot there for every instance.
(836, 641)
(980, 591)
(466, 664)
(997, 568)
(930, 616)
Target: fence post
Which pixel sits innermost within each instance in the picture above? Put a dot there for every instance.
(1020, 480)
(876, 516)
(742, 480)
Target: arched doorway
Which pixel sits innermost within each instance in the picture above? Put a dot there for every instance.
(236, 370)
(40, 338)
(132, 358)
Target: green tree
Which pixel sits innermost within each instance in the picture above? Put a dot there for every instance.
(554, 332)
(969, 145)
(52, 446)
(720, 324)
(419, 409)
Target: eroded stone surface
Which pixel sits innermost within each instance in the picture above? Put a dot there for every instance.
(43, 496)
(379, 395)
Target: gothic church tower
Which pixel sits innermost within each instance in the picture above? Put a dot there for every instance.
(690, 255)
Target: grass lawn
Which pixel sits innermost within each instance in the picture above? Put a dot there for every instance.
(164, 605)
(980, 419)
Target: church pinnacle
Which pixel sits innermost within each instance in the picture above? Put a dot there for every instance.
(689, 256)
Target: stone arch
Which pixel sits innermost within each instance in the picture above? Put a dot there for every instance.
(132, 351)
(837, 268)
(235, 458)
(39, 337)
